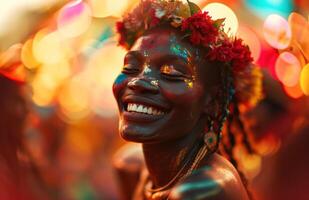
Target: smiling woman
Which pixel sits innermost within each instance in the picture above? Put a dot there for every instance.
(182, 76)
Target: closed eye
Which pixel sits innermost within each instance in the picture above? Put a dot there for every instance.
(130, 69)
(170, 72)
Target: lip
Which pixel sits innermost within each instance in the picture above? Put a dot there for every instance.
(140, 117)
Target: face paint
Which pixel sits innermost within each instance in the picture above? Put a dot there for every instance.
(180, 51)
(120, 78)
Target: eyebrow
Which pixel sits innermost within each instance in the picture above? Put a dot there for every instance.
(136, 54)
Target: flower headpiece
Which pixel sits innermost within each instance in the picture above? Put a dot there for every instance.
(201, 31)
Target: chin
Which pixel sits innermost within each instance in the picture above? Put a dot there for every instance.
(140, 133)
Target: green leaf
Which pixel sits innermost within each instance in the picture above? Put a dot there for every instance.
(193, 8)
(219, 22)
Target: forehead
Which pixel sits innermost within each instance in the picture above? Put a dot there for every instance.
(164, 42)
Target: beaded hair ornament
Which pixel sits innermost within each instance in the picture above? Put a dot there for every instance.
(201, 31)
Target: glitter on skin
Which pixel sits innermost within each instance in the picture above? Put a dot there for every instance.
(189, 83)
(147, 69)
(181, 52)
(154, 82)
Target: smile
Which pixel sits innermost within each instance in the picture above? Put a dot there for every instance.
(140, 108)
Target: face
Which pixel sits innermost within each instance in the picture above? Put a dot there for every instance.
(161, 91)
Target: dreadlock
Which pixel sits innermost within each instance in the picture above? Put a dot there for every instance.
(230, 116)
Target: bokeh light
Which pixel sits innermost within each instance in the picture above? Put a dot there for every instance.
(294, 92)
(277, 31)
(304, 80)
(109, 8)
(74, 18)
(251, 39)
(263, 8)
(27, 56)
(300, 31)
(74, 100)
(288, 69)
(102, 99)
(49, 48)
(218, 11)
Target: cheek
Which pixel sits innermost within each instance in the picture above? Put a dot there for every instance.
(182, 93)
(119, 84)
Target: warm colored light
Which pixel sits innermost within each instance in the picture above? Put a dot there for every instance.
(109, 8)
(304, 80)
(252, 165)
(43, 90)
(251, 39)
(287, 69)
(49, 48)
(268, 145)
(74, 100)
(74, 19)
(219, 10)
(294, 92)
(27, 56)
(277, 31)
(102, 73)
(268, 58)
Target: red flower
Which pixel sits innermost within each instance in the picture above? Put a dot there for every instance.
(202, 29)
(234, 52)
(241, 55)
(223, 52)
(154, 20)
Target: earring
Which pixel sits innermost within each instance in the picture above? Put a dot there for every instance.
(211, 139)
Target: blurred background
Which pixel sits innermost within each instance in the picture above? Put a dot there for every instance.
(61, 57)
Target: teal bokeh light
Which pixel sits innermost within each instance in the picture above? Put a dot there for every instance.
(263, 8)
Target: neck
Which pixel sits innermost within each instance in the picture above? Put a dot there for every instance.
(164, 160)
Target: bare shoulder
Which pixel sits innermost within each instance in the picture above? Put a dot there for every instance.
(216, 179)
(128, 163)
(129, 157)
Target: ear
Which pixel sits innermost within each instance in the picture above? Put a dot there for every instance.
(211, 106)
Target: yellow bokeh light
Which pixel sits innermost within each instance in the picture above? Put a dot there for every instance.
(219, 10)
(102, 73)
(109, 8)
(58, 71)
(277, 31)
(49, 48)
(73, 99)
(304, 80)
(27, 56)
(43, 94)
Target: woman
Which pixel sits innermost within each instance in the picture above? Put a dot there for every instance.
(181, 77)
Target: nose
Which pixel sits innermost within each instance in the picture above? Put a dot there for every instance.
(144, 85)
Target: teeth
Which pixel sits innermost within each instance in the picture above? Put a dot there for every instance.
(132, 107)
(149, 111)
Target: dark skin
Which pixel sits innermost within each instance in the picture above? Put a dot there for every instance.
(166, 73)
